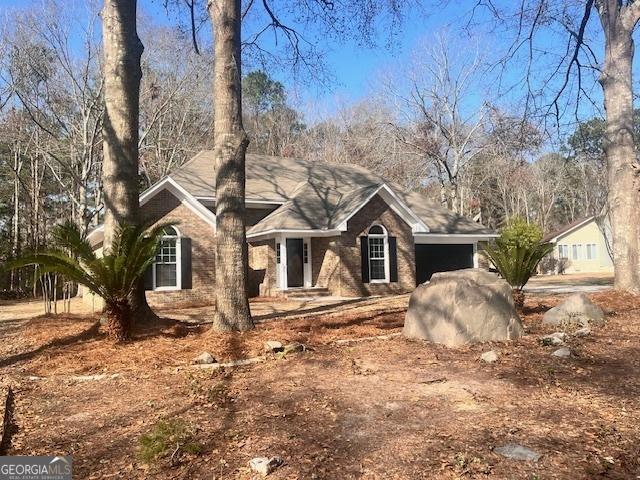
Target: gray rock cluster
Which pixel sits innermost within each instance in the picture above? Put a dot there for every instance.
(557, 338)
(575, 310)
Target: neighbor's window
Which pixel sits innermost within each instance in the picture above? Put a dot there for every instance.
(165, 268)
(305, 252)
(563, 251)
(378, 258)
(577, 251)
(278, 253)
(591, 251)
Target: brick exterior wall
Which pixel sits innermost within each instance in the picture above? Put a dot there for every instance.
(262, 268)
(325, 263)
(335, 261)
(377, 211)
(165, 207)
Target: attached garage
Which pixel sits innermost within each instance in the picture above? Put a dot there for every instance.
(442, 257)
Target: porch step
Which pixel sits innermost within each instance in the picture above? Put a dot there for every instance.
(305, 292)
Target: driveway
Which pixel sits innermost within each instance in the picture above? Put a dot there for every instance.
(570, 283)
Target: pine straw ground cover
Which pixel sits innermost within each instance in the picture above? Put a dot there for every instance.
(379, 409)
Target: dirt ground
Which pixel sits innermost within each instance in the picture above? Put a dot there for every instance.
(372, 409)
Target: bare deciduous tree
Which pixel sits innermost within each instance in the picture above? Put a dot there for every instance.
(443, 128)
(539, 20)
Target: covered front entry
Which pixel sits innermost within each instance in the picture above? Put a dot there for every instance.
(293, 262)
(432, 258)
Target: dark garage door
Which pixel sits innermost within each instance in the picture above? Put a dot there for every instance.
(441, 258)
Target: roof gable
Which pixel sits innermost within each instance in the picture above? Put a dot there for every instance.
(321, 208)
(319, 196)
(567, 229)
(181, 194)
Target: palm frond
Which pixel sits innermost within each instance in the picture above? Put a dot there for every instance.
(69, 236)
(517, 264)
(59, 262)
(113, 276)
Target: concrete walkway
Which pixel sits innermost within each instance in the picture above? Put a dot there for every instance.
(570, 283)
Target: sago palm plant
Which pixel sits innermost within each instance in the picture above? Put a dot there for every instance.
(517, 263)
(113, 276)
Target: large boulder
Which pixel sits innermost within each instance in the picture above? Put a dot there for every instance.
(575, 310)
(461, 307)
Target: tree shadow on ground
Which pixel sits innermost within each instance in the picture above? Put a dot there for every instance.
(90, 334)
(303, 310)
(384, 320)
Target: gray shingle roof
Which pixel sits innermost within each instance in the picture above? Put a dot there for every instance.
(314, 195)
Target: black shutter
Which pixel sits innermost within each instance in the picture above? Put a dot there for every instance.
(185, 262)
(148, 278)
(393, 259)
(364, 258)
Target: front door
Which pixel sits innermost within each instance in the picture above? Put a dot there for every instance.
(295, 265)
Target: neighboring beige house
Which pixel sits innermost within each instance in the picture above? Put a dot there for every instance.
(311, 228)
(582, 246)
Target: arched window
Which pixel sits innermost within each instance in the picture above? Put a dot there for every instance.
(378, 254)
(166, 268)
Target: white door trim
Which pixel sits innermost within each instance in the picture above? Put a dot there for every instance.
(281, 270)
(307, 266)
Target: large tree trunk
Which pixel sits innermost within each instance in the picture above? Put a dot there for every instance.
(122, 75)
(118, 320)
(230, 145)
(619, 147)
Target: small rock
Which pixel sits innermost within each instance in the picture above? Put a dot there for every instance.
(518, 452)
(557, 338)
(489, 357)
(204, 359)
(582, 332)
(294, 347)
(273, 346)
(563, 352)
(264, 466)
(577, 309)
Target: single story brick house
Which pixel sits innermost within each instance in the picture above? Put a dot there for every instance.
(581, 246)
(311, 227)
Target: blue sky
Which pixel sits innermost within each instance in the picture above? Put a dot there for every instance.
(354, 68)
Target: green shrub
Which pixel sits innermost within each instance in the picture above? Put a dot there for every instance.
(167, 437)
(519, 233)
